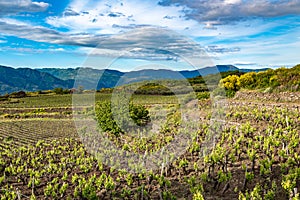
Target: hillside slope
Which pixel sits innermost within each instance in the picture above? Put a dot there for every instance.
(278, 80)
(12, 80)
(27, 79)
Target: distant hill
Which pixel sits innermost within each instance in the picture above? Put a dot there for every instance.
(112, 77)
(12, 80)
(71, 73)
(253, 70)
(27, 79)
(109, 78)
(209, 70)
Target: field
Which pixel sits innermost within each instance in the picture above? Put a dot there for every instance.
(254, 152)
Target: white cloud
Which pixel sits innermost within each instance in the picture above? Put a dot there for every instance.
(232, 1)
(230, 11)
(148, 43)
(127, 28)
(14, 21)
(111, 17)
(265, 51)
(42, 34)
(13, 6)
(32, 50)
(191, 18)
(222, 49)
(142, 43)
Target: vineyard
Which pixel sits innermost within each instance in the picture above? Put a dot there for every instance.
(256, 154)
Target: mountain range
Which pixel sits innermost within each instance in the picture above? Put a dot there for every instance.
(27, 79)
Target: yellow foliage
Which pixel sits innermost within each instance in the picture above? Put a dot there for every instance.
(247, 79)
(231, 82)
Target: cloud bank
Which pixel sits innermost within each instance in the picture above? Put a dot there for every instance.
(13, 6)
(230, 11)
(234, 30)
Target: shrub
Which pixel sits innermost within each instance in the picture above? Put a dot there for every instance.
(247, 80)
(153, 89)
(230, 93)
(203, 95)
(231, 82)
(105, 117)
(138, 113)
(61, 91)
(223, 93)
(219, 92)
(106, 90)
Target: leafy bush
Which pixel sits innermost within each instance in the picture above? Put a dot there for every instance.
(281, 79)
(61, 91)
(200, 88)
(219, 92)
(230, 93)
(203, 95)
(247, 80)
(223, 92)
(153, 89)
(138, 113)
(231, 82)
(105, 117)
(106, 90)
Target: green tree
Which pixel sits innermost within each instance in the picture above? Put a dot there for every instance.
(138, 113)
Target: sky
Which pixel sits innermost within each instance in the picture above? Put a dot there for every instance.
(129, 34)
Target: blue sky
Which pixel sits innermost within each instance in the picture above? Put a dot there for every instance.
(130, 34)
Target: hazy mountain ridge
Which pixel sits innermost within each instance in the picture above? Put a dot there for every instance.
(12, 80)
(27, 79)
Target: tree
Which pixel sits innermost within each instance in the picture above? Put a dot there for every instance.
(106, 118)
